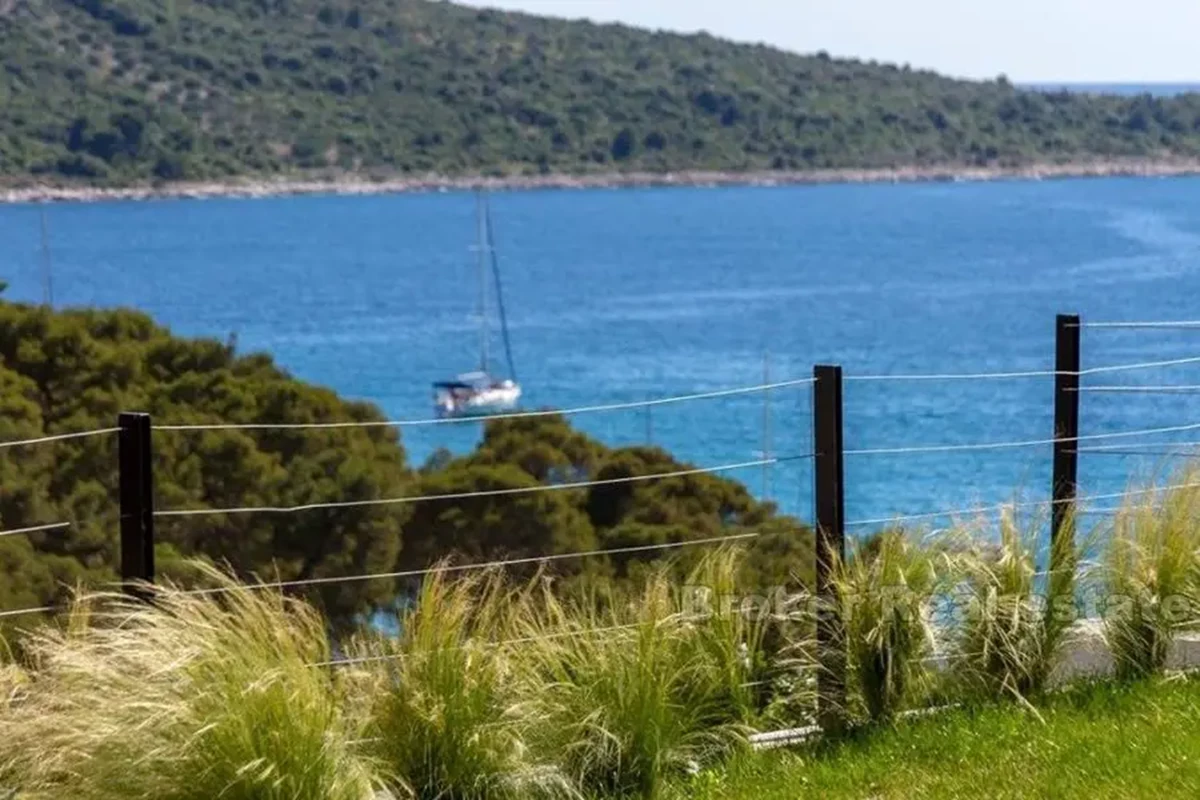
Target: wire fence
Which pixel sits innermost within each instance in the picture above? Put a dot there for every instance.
(138, 512)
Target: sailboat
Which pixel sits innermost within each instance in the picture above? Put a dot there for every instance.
(482, 392)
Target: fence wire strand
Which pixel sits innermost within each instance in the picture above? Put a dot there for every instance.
(1143, 453)
(59, 437)
(1042, 373)
(553, 487)
(1166, 324)
(1175, 362)
(1100, 448)
(952, 376)
(21, 611)
(413, 573)
(36, 528)
(949, 448)
(512, 415)
(1166, 389)
(998, 507)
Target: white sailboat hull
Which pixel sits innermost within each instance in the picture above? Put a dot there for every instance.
(478, 401)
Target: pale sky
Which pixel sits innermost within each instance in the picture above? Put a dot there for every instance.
(1029, 40)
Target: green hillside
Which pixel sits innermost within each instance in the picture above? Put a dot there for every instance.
(127, 91)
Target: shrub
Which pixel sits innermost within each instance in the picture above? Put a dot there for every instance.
(190, 697)
(1152, 576)
(885, 592)
(1014, 625)
(745, 638)
(446, 715)
(13, 682)
(637, 692)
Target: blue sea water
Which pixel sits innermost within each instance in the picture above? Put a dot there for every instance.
(1124, 89)
(631, 294)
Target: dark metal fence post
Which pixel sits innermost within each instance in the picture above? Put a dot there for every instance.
(1066, 432)
(137, 500)
(829, 506)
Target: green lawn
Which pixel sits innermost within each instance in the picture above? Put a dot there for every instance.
(1140, 741)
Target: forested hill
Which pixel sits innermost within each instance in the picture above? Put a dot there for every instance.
(130, 91)
(73, 371)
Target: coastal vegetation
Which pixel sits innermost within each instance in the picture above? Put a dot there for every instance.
(74, 370)
(612, 676)
(135, 92)
(502, 687)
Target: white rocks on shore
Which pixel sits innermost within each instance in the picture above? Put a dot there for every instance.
(357, 185)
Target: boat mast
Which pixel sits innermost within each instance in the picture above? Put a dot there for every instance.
(483, 264)
(491, 248)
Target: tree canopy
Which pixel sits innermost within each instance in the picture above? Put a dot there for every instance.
(607, 516)
(133, 91)
(74, 370)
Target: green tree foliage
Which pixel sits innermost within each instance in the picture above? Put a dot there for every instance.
(120, 91)
(520, 525)
(75, 370)
(633, 514)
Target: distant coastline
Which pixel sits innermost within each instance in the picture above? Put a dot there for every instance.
(1160, 89)
(351, 184)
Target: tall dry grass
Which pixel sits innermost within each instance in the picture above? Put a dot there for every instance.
(1016, 620)
(498, 690)
(1151, 573)
(742, 635)
(488, 692)
(13, 682)
(189, 698)
(886, 592)
(640, 691)
(448, 716)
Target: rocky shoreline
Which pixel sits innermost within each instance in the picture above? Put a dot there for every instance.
(358, 185)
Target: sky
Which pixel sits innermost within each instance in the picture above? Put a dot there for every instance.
(1079, 41)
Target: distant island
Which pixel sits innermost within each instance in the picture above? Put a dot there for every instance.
(134, 98)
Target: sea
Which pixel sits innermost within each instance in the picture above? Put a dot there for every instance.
(620, 296)
(1123, 89)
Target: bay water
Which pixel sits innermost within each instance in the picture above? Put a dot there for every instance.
(626, 295)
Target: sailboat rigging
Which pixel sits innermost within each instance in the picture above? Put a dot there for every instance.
(481, 392)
